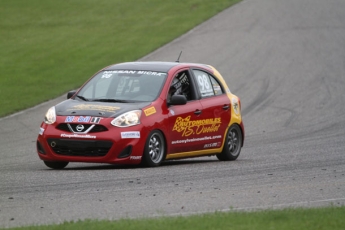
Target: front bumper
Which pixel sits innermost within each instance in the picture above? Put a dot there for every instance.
(114, 145)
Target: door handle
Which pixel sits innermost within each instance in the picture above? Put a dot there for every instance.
(226, 107)
(197, 112)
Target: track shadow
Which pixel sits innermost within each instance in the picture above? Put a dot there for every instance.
(187, 161)
(168, 163)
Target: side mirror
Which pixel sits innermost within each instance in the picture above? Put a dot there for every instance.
(71, 93)
(178, 100)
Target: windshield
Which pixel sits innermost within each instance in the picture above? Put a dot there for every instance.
(123, 86)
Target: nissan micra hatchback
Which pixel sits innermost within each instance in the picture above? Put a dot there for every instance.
(144, 113)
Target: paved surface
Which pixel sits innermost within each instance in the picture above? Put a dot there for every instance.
(286, 61)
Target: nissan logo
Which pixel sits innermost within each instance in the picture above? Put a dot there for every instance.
(80, 128)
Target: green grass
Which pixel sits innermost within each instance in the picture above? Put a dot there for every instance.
(50, 47)
(329, 218)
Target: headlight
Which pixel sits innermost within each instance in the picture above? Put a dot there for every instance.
(50, 117)
(127, 119)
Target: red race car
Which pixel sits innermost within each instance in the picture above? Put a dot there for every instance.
(144, 112)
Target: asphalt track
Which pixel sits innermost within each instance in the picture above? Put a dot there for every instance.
(286, 61)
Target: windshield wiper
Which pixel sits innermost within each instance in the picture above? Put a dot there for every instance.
(110, 100)
(83, 98)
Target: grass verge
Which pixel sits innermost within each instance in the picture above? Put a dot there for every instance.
(49, 47)
(328, 218)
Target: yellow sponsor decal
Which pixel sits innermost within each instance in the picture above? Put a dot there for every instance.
(104, 108)
(150, 111)
(187, 127)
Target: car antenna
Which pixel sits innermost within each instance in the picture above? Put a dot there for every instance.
(178, 59)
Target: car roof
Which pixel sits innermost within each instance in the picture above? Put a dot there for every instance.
(152, 66)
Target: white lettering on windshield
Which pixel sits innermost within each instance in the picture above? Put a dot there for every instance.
(109, 73)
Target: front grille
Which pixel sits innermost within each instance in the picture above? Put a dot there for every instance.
(63, 127)
(98, 128)
(86, 148)
(73, 128)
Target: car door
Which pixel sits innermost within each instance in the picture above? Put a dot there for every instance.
(216, 109)
(183, 136)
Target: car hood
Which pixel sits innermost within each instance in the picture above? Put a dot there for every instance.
(98, 109)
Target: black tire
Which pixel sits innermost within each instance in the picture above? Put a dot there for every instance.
(154, 152)
(232, 145)
(56, 164)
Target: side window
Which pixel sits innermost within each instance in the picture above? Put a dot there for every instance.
(181, 85)
(216, 86)
(207, 84)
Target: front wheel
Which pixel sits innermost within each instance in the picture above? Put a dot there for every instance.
(232, 145)
(56, 164)
(154, 152)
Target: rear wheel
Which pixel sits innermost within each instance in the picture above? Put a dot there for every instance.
(232, 145)
(56, 164)
(154, 152)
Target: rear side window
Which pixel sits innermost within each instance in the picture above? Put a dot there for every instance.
(207, 84)
(216, 86)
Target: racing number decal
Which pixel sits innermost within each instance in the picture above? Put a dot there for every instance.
(205, 85)
(203, 82)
